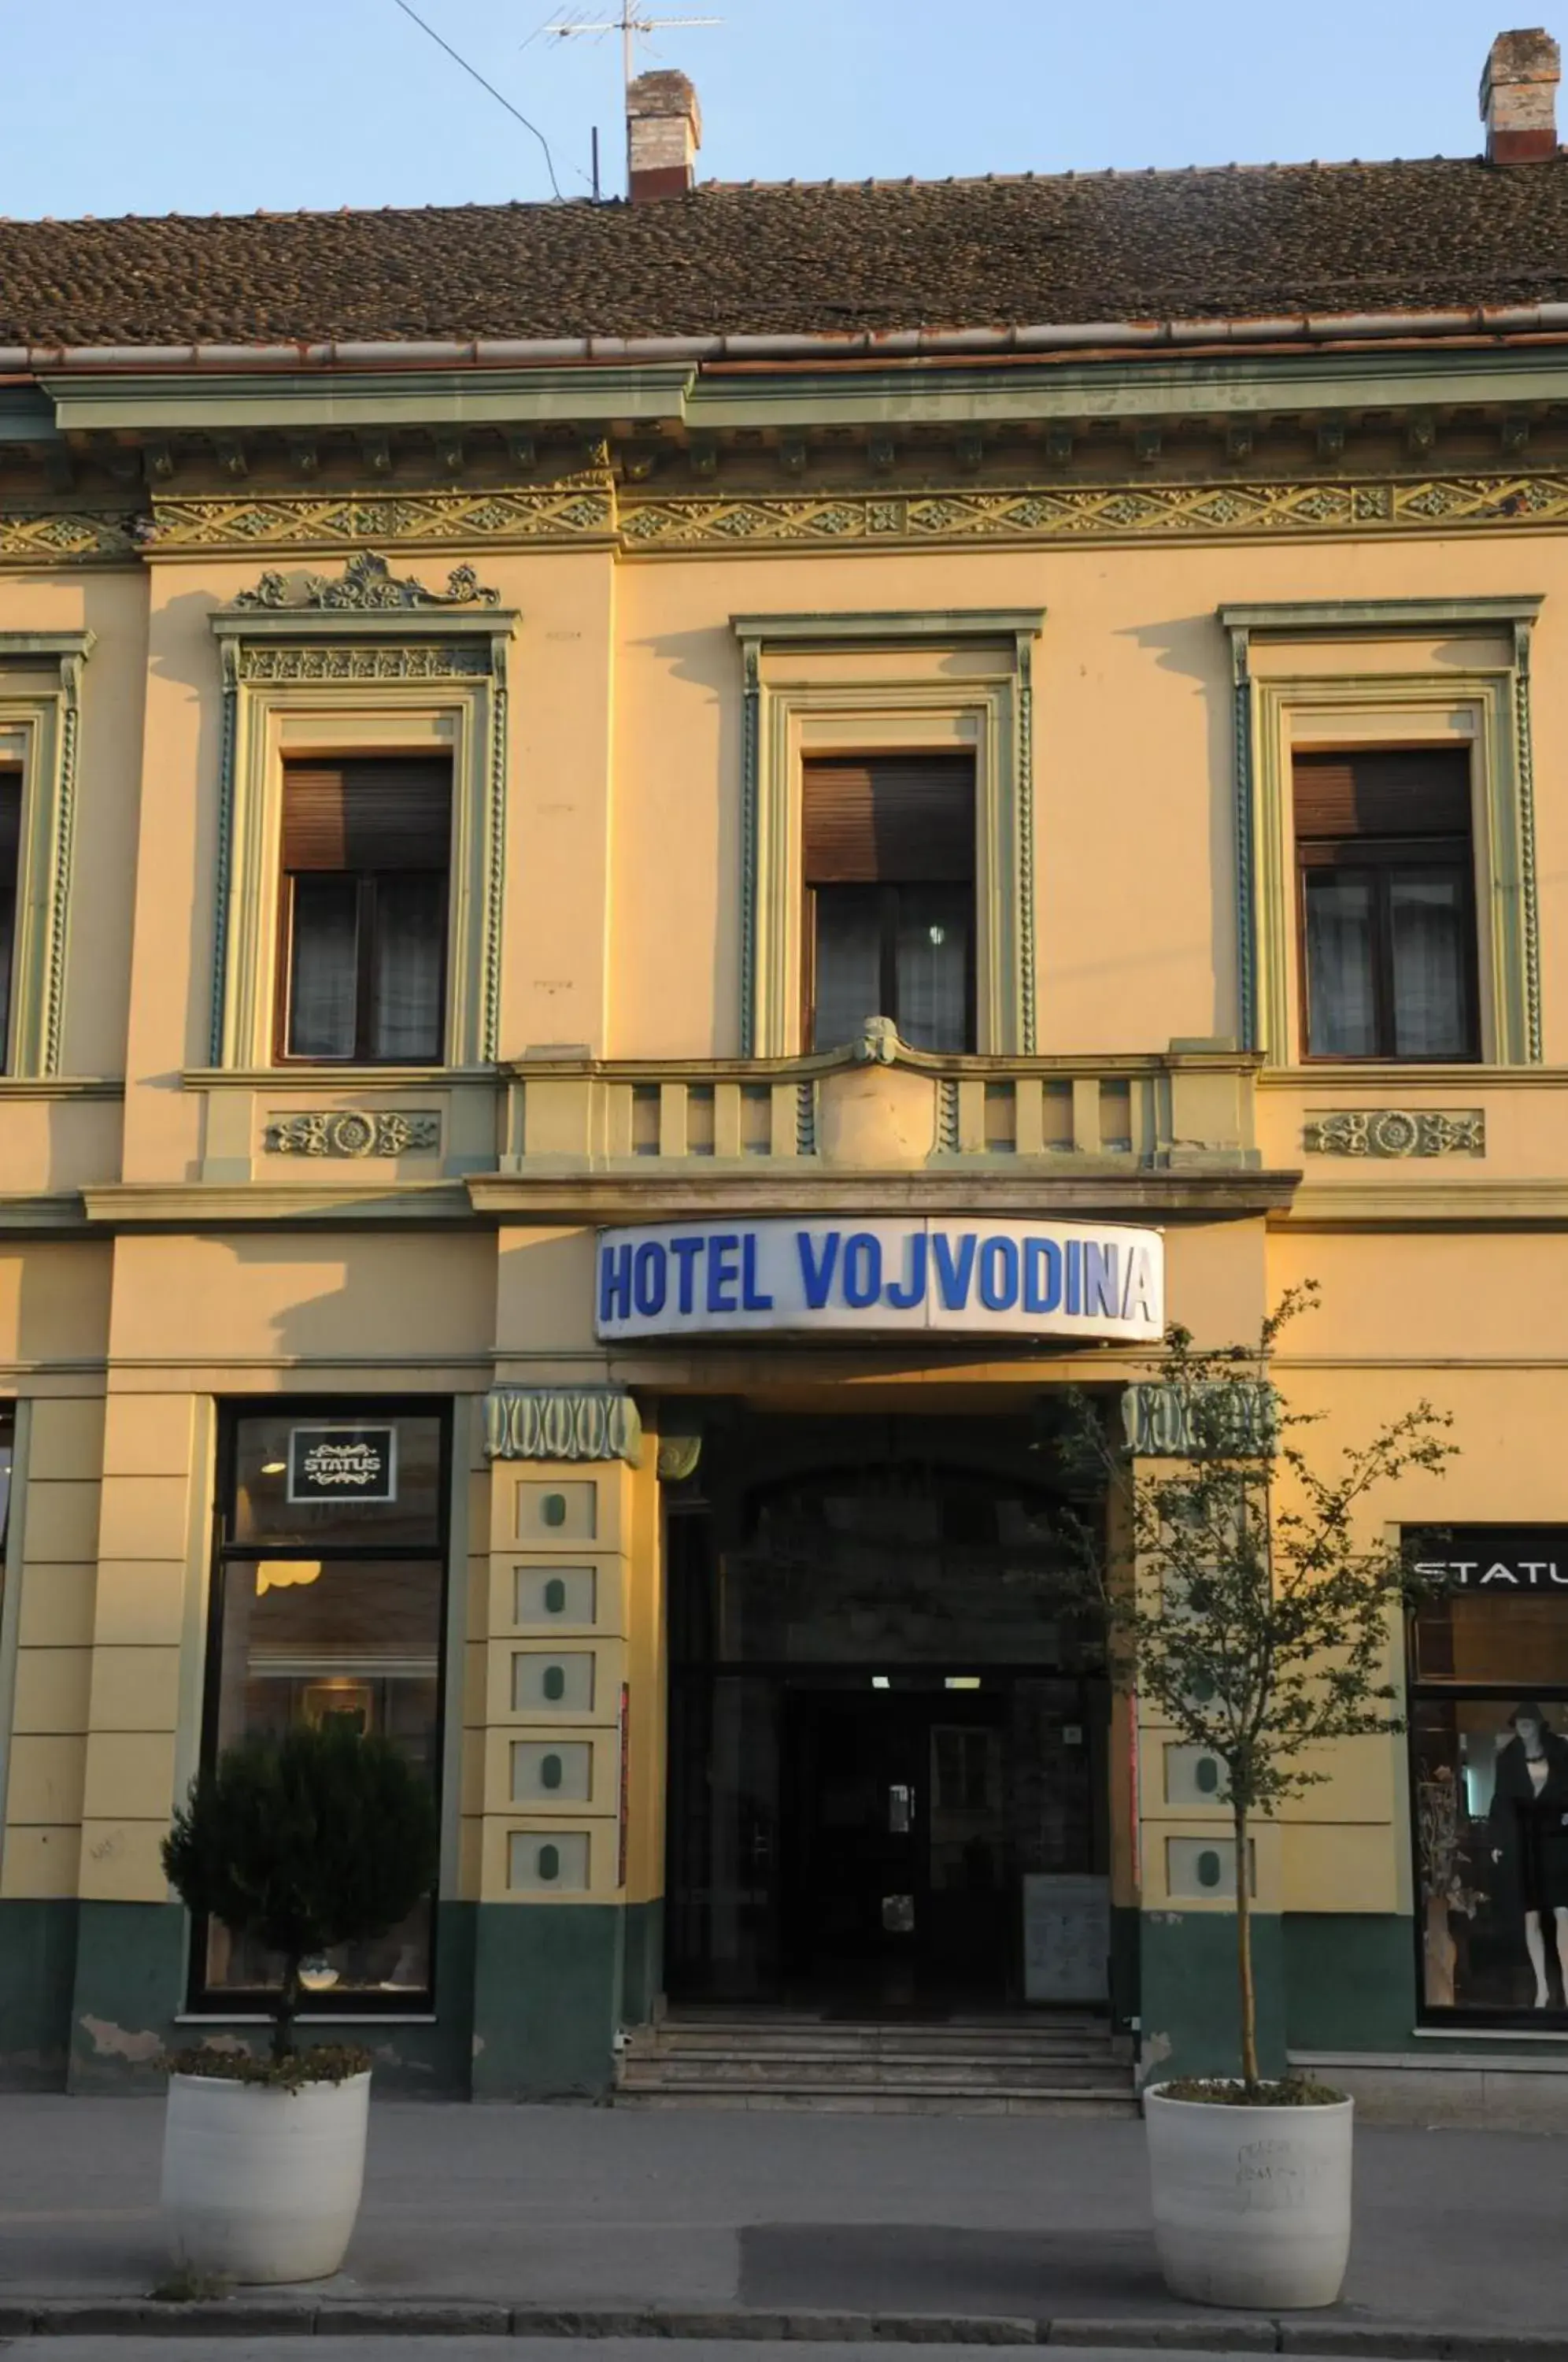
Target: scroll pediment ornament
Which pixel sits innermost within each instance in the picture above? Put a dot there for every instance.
(367, 586)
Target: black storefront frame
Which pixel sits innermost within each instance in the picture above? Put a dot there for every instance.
(361, 1410)
(1443, 1546)
(687, 1674)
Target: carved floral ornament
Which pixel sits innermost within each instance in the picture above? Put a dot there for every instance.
(352, 1133)
(367, 586)
(1397, 1132)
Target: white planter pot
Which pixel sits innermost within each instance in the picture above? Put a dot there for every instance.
(1252, 2205)
(262, 2185)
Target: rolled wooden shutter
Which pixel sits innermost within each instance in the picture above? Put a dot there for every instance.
(890, 819)
(1405, 792)
(366, 815)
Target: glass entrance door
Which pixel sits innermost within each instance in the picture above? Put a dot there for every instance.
(895, 1861)
(882, 1728)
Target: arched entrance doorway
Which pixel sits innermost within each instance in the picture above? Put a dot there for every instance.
(888, 1740)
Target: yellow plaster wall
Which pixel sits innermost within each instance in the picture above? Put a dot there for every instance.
(1134, 842)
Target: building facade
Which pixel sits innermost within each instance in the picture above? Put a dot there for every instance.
(641, 908)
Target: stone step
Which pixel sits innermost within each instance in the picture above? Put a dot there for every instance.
(896, 2098)
(875, 2060)
(863, 2074)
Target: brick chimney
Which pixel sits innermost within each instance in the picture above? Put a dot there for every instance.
(1519, 98)
(663, 131)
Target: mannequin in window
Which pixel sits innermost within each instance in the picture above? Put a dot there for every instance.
(1529, 1822)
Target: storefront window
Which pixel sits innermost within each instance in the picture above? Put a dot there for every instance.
(327, 1607)
(1489, 1775)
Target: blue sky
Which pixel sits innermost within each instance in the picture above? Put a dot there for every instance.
(160, 106)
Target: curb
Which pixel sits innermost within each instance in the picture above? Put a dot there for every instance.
(436, 2317)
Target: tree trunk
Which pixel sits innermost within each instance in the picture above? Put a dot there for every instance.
(287, 2004)
(1245, 1953)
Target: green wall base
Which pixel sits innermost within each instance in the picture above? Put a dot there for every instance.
(1350, 1981)
(38, 1969)
(642, 1975)
(131, 1971)
(1190, 2011)
(547, 1982)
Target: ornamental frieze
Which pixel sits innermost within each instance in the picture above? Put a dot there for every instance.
(329, 663)
(561, 1423)
(1397, 1132)
(579, 508)
(350, 1131)
(591, 507)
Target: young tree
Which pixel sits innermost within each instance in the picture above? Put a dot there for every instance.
(315, 1838)
(1245, 1598)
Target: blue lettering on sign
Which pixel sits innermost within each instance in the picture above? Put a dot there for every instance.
(752, 1297)
(650, 1277)
(904, 1294)
(1042, 1275)
(816, 1278)
(724, 1270)
(1075, 1274)
(614, 1283)
(862, 1270)
(954, 1273)
(685, 1251)
(998, 1274)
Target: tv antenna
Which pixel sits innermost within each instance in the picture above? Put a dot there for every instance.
(631, 26)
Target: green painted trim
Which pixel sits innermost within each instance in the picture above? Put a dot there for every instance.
(547, 1983)
(369, 663)
(895, 627)
(38, 1969)
(1004, 798)
(949, 391)
(1504, 767)
(50, 720)
(1244, 790)
(1376, 618)
(367, 397)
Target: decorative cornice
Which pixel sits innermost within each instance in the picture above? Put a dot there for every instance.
(591, 507)
(1213, 512)
(352, 1132)
(365, 586)
(578, 508)
(786, 1190)
(1396, 1131)
(561, 1423)
(328, 662)
(74, 536)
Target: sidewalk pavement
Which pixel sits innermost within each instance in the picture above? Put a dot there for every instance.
(1035, 2218)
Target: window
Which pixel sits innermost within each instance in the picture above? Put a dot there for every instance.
(1384, 855)
(10, 855)
(1488, 1720)
(365, 856)
(328, 1605)
(890, 879)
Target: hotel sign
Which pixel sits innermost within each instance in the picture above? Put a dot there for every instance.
(950, 1277)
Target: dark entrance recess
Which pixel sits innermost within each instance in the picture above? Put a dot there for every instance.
(888, 1741)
